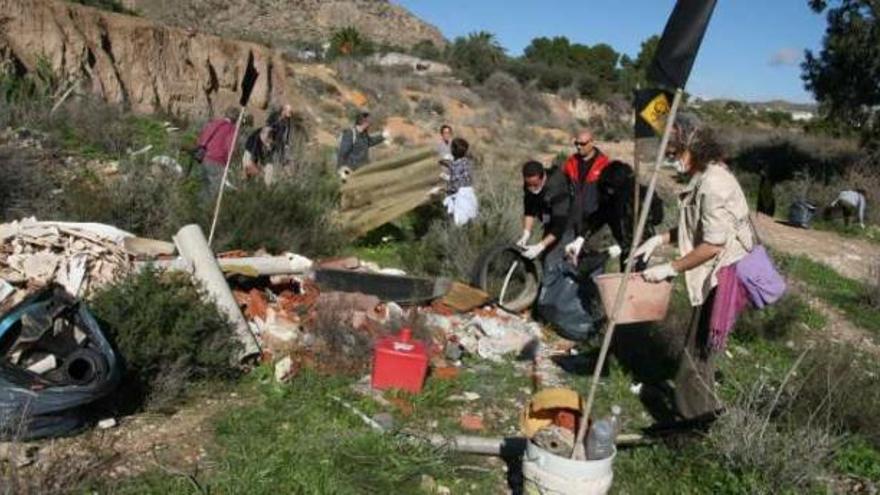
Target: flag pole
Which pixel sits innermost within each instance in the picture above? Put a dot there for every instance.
(225, 175)
(636, 170)
(578, 452)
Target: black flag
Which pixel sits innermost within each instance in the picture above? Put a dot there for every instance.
(249, 80)
(680, 42)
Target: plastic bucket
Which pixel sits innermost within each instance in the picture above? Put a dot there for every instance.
(643, 301)
(550, 474)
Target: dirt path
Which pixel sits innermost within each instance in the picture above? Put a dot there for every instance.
(172, 444)
(852, 258)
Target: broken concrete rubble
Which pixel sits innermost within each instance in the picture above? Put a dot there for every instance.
(78, 256)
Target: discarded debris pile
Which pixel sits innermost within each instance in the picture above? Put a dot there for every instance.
(76, 256)
(54, 359)
(333, 317)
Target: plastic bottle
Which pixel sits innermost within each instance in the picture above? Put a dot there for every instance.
(615, 420)
(600, 443)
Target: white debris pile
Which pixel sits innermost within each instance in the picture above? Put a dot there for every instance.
(77, 256)
(489, 334)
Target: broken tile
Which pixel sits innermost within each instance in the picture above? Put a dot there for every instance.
(471, 422)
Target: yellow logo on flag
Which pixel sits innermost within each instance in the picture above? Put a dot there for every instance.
(655, 112)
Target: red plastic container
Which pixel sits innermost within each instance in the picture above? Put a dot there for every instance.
(400, 362)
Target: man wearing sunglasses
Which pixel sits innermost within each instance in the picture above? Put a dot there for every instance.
(583, 170)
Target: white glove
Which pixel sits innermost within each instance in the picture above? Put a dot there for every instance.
(526, 234)
(533, 251)
(659, 273)
(435, 191)
(386, 134)
(573, 249)
(614, 251)
(647, 248)
(444, 177)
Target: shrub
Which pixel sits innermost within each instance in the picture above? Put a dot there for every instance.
(145, 200)
(452, 250)
(841, 383)
(349, 42)
(505, 90)
(166, 334)
(426, 49)
(293, 214)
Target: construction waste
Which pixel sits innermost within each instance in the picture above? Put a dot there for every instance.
(287, 311)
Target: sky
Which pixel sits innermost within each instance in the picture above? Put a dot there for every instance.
(752, 49)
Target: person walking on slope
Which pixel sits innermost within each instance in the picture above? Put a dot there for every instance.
(355, 144)
(444, 147)
(214, 145)
(257, 153)
(714, 233)
(281, 123)
(461, 201)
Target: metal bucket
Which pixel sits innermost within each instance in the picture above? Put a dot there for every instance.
(643, 301)
(550, 474)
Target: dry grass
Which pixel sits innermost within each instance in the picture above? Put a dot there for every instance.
(757, 433)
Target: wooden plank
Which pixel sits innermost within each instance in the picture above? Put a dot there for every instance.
(463, 298)
(415, 155)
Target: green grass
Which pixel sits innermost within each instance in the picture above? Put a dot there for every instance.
(869, 233)
(296, 439)
(858, 458)
(851, 297)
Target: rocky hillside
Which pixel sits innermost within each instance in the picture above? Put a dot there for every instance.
(290, 22)
(134, 61)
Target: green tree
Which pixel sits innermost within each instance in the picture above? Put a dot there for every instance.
(477, 56)
(634, 72)
(844, 75)
(349, 42)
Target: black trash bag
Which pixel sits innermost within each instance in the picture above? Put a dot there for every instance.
(52, 404)
(569, 299)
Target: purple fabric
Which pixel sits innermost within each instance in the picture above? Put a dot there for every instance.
(758, 275)
(730, 300)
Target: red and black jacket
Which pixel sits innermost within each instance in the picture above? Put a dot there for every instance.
(583, 177)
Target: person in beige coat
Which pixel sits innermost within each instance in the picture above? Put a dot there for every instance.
(713, 232)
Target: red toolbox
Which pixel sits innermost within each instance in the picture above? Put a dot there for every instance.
(400, 362)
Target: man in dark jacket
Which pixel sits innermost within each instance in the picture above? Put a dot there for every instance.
(281, 122)
(583, 170)
(546, 199)
(355, 144)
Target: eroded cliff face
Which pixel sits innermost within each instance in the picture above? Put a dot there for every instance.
(288, 22)
(134, 61)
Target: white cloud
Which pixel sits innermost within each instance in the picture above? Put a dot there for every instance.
(786, 57)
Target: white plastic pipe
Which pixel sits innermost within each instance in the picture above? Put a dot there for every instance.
(193, 247)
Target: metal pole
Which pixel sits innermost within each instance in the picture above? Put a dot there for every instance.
(225, 174)
(578, 451)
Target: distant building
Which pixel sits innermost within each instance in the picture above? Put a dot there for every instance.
(802, 116)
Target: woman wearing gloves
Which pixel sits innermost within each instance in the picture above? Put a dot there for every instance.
(713, 232)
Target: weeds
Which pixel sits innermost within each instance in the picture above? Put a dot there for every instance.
(452, 250)
(852, 297)
(166, 334)
(297, 439)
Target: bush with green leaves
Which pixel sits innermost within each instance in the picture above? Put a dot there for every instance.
(452, 250)
(166, 333)
(349, 42)
(295, 214)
